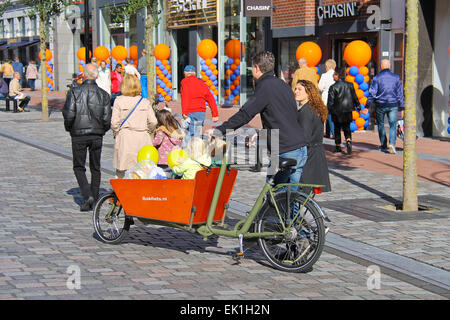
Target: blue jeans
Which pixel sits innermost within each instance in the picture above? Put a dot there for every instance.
(329, 129)
(301, 155)
(2, 96)
(391, 112)
(144, 86)
(196, 125)
(31, 84)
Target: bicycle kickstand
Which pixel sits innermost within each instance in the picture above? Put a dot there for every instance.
(240, 253)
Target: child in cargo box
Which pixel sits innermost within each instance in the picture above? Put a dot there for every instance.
(198, 157)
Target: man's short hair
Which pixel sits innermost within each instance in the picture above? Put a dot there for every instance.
(341, 72)
(91, 71)
(265, 60)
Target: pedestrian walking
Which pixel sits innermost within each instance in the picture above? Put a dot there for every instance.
(130, 69)
(18, 67)
(325, 82)
(274, 100)
(304, 73)
(132, 122)
(87, 116)
(342, 100)
(142, 69)
(311, 114)
(31, 75)
(104, 77)
(194, 94)
(386, 92)
(168, 136)
(8, 71)
(116, 80)
(3, 88)
(15, 91)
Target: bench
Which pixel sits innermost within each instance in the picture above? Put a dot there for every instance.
(8, 99)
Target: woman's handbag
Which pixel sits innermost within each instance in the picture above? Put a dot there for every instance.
(131, 112)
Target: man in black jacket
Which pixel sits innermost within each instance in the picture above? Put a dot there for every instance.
(342, 100)
(275, 102)
(87, 116)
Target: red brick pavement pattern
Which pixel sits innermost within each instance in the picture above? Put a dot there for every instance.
(371, 160)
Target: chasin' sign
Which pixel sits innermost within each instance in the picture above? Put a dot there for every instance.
(338, 10)
(257, 8)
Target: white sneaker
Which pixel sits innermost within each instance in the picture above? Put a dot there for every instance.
(391, 149)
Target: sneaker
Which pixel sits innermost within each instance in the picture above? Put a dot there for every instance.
(338, 149)
(349, 146)
(87, 205)
(391, 149)
(382, 149)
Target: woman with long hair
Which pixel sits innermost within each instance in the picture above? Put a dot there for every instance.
(312, 113)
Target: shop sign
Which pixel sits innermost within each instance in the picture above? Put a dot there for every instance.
(257, 8)
(186, 13)
(338, 10)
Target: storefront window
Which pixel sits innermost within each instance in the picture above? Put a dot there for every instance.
(116, 32)
(288, 60)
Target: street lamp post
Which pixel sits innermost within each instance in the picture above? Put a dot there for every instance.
(86, 30)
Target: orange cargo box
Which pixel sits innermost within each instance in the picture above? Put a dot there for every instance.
(173, 200)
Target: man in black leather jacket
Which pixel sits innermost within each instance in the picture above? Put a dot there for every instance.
(342, 100)
(87, 116)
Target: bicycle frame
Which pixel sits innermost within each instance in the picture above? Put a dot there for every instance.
(243, 226)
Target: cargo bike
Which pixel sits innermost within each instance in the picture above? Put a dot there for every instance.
(288, 225)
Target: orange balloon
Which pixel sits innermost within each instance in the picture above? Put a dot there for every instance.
(236, 82)
(347, 70)
(81, 53)
(359, 93)
(355, 115)
(215, 72)
(48, 55)
(309, 51)
(237, 98)
(233, 49)
(229, 72)
(167, 98)
(169, 84)
(163, 93)
(119, 53)
(165, 62)
(208, 62)
(205, 78)
(350, 79)
(207, 49)
(363, 100)
(208, 83)
(233, 67)
(216, 92)
(232, 87)
(101, 53)
(227, 92)
(364, 70)
(212, 67)
(360, 122)
(237, 62)
(317, 77)
(357, 53)
(356, 86)
(134, 53)
(162, 51)
(366, 79)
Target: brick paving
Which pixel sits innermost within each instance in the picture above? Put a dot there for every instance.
(43, 233)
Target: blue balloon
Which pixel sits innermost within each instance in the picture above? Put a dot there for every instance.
(158, 81)
(362, 106)
(366, 123)
(359, 78)
(165, 72)
(353, 126)
(366, 93)
(204, 67)
(364, 86)
(161, 98)
(236, 92)
(161, 67)
(317, 69)
(238, 87)
(230, 61)
(448, 120)
(214, 61)
(208, 72)
(231, 97)
(353, 71)
(237, 71)
(158, 62)
(169, 76)
(364, 116)
(233, 77)
(215, 82)
(202, 62)
(448, 130)
(213, 77)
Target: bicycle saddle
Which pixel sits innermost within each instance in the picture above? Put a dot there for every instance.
(286, 163)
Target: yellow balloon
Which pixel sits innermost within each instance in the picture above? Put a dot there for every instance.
(148, 152)
(172, 158)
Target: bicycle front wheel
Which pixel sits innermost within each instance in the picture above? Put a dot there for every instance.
(302, 242)
(110, 222)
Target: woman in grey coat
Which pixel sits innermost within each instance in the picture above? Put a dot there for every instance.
(311, 115)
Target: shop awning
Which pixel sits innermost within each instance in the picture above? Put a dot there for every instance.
(18, 44)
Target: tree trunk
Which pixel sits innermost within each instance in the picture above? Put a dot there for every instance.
(410, 200)
(149, 24)
(42, 38)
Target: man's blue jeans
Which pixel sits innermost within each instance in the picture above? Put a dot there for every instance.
(391, 111)
(196, 125)
(144, 86)
(301, 155)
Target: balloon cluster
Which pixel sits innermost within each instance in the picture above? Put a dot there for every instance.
(49, 70)
(207, 50)
(163, 72)
(357, 54)
(233, 72)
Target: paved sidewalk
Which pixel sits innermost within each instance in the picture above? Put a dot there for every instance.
(44, 233)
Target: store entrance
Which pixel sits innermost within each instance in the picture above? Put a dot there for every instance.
(182, 39)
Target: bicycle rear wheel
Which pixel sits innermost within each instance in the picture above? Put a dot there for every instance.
(110, 222)
(301, 245)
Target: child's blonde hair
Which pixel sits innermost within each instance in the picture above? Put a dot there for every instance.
(196, 148)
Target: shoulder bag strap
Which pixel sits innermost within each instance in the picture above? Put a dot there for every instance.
(131, 112)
